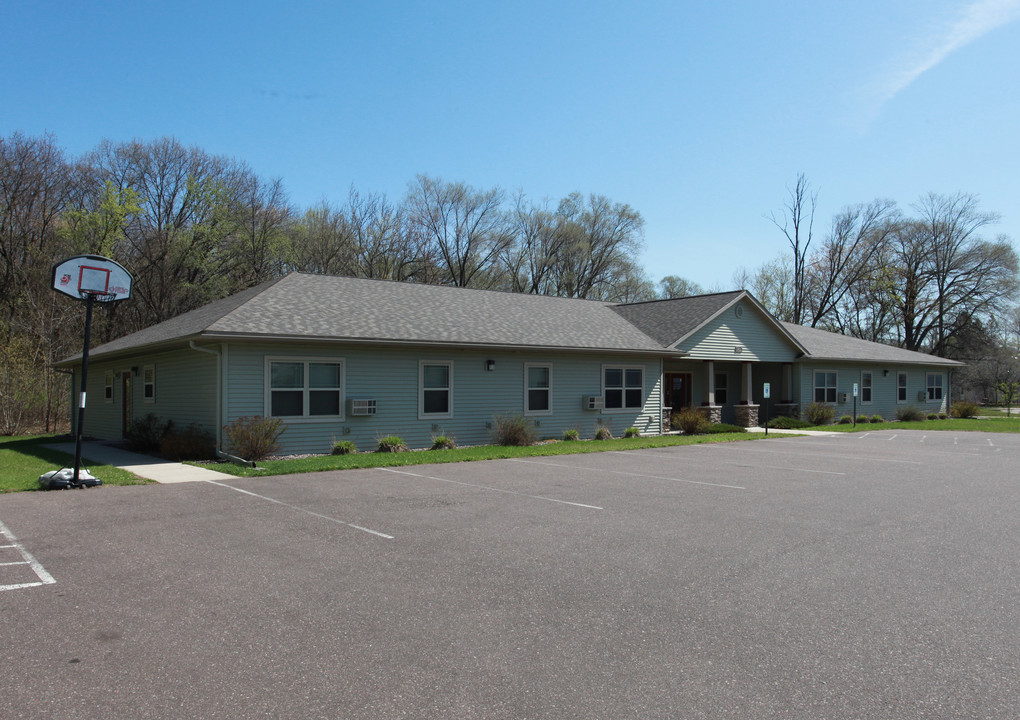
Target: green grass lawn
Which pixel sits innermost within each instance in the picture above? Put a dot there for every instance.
(992, 425)
(467, 454)
(24, 459)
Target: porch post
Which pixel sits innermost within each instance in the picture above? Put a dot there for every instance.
(787, 392)
(746, 392)
(709, 393)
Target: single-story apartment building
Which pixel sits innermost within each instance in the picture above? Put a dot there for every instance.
(351, 358)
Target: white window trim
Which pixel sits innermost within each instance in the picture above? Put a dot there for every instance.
(906, 388)
(305, 418)
(422, 415)
(871, 376)
(527, 389)
(815, 386)
(927, 387)
(108, 383)
(149, 400)
(624, 369)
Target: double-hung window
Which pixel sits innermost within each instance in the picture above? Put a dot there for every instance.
(901, 387)
(435, 389)
(622, 387)
(108, 387)
(934, 385)
(722, 384)
(305, 388)
(538, 389)
(825, 387)
(866, 384)
(149, 383)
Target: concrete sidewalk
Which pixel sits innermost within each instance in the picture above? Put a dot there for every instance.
(146, 466)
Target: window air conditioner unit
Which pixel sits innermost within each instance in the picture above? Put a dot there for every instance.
(921, 396)
(363, 407)
(844, 397)
(592, 402)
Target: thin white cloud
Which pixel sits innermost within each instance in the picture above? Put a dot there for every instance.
(975, 19)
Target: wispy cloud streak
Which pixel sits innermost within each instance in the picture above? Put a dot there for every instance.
(975, 20)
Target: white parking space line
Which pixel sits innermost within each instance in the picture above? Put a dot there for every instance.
(631, 474)
(494, 489)
(788, 453)
(990, 443)
(893, 437)
(44, 577)
(301, 509)
(782, 467)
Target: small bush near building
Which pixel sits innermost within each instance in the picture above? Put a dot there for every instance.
(784, 422)
(716, 428)
(391, 443)
(933, 416)
(191, 443)
(571, 434)
(344, 447)
(819, 413)
(964, 410)
(515, 430)
(909, 414)
(943, 416)
(631, 432)
(863, 419)
(146, 433)
(877, 419)
(603, 433)
(443, 442)
(846, 420)
(688, 421)
(254, 437)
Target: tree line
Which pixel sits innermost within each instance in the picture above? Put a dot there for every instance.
(193, 227)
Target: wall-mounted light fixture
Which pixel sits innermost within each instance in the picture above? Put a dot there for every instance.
(885, 373)
(490, 365)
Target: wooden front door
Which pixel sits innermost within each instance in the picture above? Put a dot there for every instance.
(678, 390)
(126, 403)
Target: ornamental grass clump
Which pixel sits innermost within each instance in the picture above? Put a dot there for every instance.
(603, 433)
(344, 447)
(877, 419)
(631, 432)
(443, 442)
(688, 421)
(819, 413)
(863, 419)
(846, 420)
(571, 434)
(254, 437)
(391, 444)
(909, 414)
(514, 430)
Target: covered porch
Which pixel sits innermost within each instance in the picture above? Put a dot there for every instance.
(729, 391)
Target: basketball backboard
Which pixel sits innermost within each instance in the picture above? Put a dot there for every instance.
(95, 275)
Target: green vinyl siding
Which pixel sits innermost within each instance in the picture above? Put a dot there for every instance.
(757, 337)
(883, 387)
(390, 376)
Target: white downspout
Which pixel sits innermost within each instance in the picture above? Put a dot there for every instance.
(219, 391)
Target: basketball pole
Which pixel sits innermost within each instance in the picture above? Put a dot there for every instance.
(89, 300)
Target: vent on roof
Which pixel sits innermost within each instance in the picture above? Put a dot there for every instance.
(362, 407)
(592, 402)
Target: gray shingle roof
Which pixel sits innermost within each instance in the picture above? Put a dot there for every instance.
(669, 320)
(825, 345)
(324, 307)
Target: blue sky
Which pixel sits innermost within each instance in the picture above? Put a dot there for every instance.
(698, 114)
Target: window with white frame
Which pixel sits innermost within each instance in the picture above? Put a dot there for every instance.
(309, 388)
(149, 384)
(435, 389)
(722, 384)
(901, 387)
(108, 386)
(622, 387)
(538, 389)
(825, 386)
(866, 384)
(934, 385)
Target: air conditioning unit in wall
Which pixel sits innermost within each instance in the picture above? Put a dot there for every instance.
(363, 407)
(592, 402)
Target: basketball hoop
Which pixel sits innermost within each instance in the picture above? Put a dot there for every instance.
(97, 296)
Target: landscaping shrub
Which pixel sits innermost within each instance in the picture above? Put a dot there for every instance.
(603, 433)
(909, 414)
(819, 413)
(863, 419)
(571, 434)
(631, 432)
(254, 437)
(877, 419)
(391, 443)
(146, 433)
(688, 421)
(716, 428)
(846, 420)
(943, 416)
(785, 422)
(515, 430)
(964, 410)
(443, 442)
(344, 447)
(933, 416)
(191, 443)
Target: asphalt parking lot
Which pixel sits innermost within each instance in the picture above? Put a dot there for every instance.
(873, 575)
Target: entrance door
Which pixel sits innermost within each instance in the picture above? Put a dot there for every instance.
(126, 403)
(678, 390)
